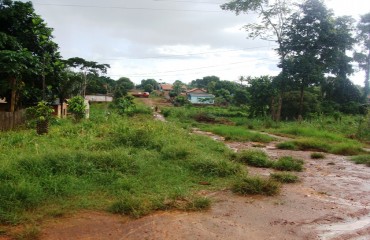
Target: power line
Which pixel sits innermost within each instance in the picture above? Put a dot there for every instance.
(185, 1)
(189, 69)
(183, 55)
(127, 8)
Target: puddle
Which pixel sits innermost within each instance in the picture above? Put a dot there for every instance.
(337, 229)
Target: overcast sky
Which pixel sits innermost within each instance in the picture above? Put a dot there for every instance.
(167, 40)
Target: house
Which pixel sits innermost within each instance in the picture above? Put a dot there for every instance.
(60, 110)
(165, 89)
(200, 96)
(99, 98)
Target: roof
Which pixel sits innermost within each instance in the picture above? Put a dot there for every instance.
(196, 90)
(166, 87)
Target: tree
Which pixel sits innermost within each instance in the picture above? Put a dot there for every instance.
(27, 51)
(148, 88)
(204, 82)
(86, 68)
(261, 91)
(273, 17)
(145, 82)
(177, 87)
(77, 107)
(363, 57)
(316, 43)
(123, 85)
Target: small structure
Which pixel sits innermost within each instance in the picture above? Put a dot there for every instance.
(60, 110)
(99, 98)
(200, 96)
(164, 87)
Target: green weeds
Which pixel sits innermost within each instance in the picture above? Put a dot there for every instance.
(256, 185)
(284, 177)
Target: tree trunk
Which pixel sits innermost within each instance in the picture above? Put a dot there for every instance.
(367, 76)
(301, 103)
(280, 104)
(13, 82)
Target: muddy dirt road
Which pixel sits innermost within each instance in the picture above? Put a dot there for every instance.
(332, 201)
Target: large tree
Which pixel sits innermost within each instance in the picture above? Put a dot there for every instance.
(27, 52)
(273, 17)
(316, 44)
(363, 56)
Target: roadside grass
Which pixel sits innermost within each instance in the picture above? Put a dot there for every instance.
(288, 163)
(236, 133)
(362, 159)
(256, 186)
(317, 155)
(128, 165)
(255, 158)
(284, 177)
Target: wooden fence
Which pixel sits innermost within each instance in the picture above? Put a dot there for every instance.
(9, 120)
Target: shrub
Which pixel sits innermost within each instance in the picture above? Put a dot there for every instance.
(198, 203)
(256, 158)
(362, 159)
(287, 145)
(316, 155)
(284, 177)
(288, 164)
(208, 167)
(77, 107)
(256, 186)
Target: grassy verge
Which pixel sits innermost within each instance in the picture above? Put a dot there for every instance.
(236, 133)
(128, 165)
(362, 159)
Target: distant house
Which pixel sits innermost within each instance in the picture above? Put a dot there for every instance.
(99, 98)
(60, 110)
(200, 96)
(164, 87)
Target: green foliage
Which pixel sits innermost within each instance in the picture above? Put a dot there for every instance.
(129, 165)
(180, 101)
(124, 105)
(317, 155)
(362, 159)
(284, 177)
(42, 111)
(148, 88)
(254, 157)
(199, 203)
(77, 107)
(288, 164)
(256, 185)
(123, 85)
(287, 145)
(363, 131)
(236, 133)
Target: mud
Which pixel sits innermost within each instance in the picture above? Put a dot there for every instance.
(332, 201)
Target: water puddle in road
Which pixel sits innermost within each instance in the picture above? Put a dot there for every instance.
(333, 230)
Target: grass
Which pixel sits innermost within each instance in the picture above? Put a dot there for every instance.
(288, 163)
(256, 186)
(284, 177)
(127, 165)
(362, 159)
(236, 133)
(254, 157)
(317, 155)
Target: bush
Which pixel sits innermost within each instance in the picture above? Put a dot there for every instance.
(287, 146)
(362, 159)
(288, 164)
(77, 107)
(317, 155)
(199, 203)
(256, 158)
(256, 186)
(284, 177)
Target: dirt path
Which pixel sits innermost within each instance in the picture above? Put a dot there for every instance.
(332, 201)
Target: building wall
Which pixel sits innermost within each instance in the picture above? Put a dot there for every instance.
(199, 100)
(98, 98)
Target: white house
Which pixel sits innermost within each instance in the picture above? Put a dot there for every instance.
(200, 96)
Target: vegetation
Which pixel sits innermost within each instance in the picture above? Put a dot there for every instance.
(77, 107)
(255, 158)
(288, 164)
(130, 165)
(362, 159)
(256, 186)
(284, 177)
(317, 155)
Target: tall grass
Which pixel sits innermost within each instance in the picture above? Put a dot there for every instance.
(130, 165)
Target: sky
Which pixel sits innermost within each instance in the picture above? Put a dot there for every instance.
(168, 40)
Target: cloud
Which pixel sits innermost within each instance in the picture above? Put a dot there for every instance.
(164, 39)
